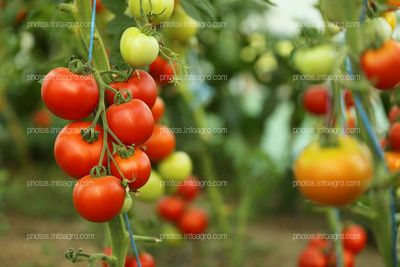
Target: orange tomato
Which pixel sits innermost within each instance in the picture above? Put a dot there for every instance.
(393, 160)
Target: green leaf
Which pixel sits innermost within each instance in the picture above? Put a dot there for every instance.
(200, 10)
(116, 6)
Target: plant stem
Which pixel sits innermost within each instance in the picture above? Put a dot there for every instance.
(336, 227)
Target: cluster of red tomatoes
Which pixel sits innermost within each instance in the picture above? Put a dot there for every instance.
(177, 210)
(320, 252)
(145, 258)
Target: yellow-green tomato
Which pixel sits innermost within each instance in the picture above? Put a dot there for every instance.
(171, 235)
(137, 48)
(176, 167)
(127, 203)
(317, 60)
(180, 26)
(156, 10)
(153, 189)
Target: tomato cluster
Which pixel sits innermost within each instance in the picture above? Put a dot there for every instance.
(320, 252)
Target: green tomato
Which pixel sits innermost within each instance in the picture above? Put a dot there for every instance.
(176, 167)
(171, 235)
(127, 204)
(153, 189)
(157, 10)
(138, 49)
(181, 26)
(317, 60)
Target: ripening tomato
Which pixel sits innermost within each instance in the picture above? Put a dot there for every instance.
(355, 238)
(176, 167)
(146, 260)
(193, 221)
(392, 159)
(98, 199)
(132, 122)
(161, 143)
(189, 188)
(312, 257)
(382, 66)
(136, 168)
(170, 208)
(319, 60)
(394, 114)
(41, 118)
(348, 98)
(181, 27)
(158, 109)
(316, 99)
(153, 189)
(395, 3)
(156, 10)
(73, 154)
(348, 259)
(132, 41)
(162, 71)
(141, 86)
(334, 175)
(394, 136)
(68, 95)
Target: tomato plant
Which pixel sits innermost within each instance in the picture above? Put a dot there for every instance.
(160, 144)
(317, 60)
(316, 100)
(355, 239)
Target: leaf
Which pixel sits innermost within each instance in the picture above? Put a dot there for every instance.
(200, 10)
(115, 6)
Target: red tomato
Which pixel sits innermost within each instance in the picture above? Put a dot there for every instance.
(161, 143)
(382, 66)
(162, 71)
(141, 86)
(41, 118)
(348, 258)
(193, 221)
(319, 243)
(132, 122)
(68, 95)
(394, 114)
(189, 189)
(158, 109)
(316, 99)
(98, 199)
(99, 6)
(348, 98)
(73, 154)
(146, 260)
(312, 257)
(21, 15)
(136, 168)
(355, 238)
(170, 208)
(394, 136)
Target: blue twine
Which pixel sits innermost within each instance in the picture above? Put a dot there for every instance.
(128, 227)
(92, 26)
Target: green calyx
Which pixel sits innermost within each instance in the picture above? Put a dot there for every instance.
(125, 151)
(123, 96)
(90, 135)
(98, 171)
(77, 66)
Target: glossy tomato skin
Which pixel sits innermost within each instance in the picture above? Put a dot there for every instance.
(312, 257)
(355, 239)
(146, 260)
(162, 71)
(189, 188)
(394, 136)
(392, 159)
(316, 100)
(193, 221)
(158, 109)
(176, 167)
(68, 95)
(161, 143)
(73, 154)
(141, 86)
(163, 8)
(137, 168)
(382, 66)
(98, 199)
(170, 208)
(318, 60)
(334, 175)
(132, 122)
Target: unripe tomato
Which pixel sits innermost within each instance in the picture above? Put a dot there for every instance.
(161, 143)
(317, 60)
(138, 49)
(348, 259)
(41, 118)
(176, 166)
(312, 257)
(162, 71)
(355, 238)
(392, 159)
(382, 66)
(193, 221)
(160, 9)
(132, 122)
(136, 168)
(335, 175)
(394, 114)
(73, 154)
(153, 189)
(391, 19)
(68, 95)
(141, 86)
(127, 204)
(172, 235)
(189, 188)
(98, 199)
(146, 260)
(394, 136)
(316, 99)
(170, 208)
(158, 109)
(181, 26)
